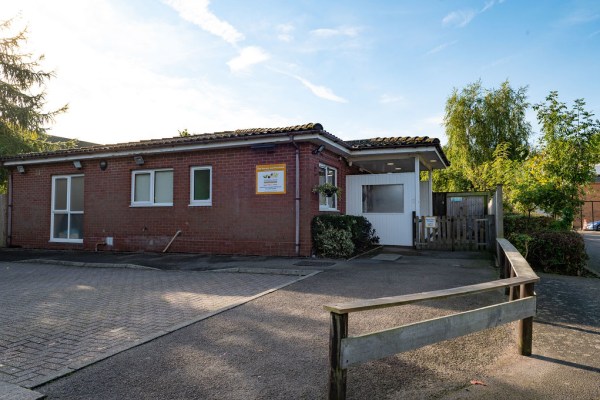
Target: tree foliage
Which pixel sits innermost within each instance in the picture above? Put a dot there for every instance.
(23, 117)
(568, 153)
(487, 133)
(477, 120)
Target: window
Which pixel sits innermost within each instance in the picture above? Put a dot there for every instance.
(66, 222)
(201, 186)
(383, 198)
(152, 188)
(327, 174)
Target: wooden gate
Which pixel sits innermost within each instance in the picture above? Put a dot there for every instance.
(454, 233)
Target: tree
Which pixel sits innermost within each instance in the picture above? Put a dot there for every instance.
(23, 118)
(569, 151)
(485, 128)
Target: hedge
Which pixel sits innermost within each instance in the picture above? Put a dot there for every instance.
(546, 245)
(340, 236)
(517, 223)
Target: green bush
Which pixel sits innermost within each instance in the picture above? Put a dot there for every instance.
(361, 232)
(557, 252)
(517, 223)
(521, 241)
(335, 243)
(546, 245)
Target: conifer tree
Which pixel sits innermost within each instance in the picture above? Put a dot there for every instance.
(23, 117)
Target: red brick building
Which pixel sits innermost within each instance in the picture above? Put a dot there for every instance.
(590, 211)
(238, 192)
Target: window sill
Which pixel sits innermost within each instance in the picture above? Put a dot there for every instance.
(151, 205)
(329, 209)
(74, 241)
(198, 204)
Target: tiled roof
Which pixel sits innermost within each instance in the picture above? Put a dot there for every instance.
(239, 134)
(396, 142)
(400, 141)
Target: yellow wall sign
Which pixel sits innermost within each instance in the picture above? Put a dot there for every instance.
(270, 179)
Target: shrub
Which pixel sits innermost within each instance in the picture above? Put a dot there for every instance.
(517, 223)
(521, 241)
(362, 234)
(334, 243)
(546, 245)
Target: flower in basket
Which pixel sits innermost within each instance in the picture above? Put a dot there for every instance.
(327, 189)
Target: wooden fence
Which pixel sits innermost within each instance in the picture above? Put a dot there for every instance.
(454, 233)
(346, 351)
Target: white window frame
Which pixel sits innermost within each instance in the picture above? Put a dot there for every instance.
(67, 212)
(200, 203)
(152, 173)
(335, 180)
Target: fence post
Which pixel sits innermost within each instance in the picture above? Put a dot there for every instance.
(338, 330)
(499, 213)
(415, 227)
(526, 325)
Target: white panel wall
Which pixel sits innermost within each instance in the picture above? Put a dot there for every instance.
(392, 228)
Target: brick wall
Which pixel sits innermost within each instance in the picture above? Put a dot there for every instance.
(238, 222)
(590, 211)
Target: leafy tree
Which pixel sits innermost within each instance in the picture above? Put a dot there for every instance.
(487, 131)
(569, 151)
(23, 118)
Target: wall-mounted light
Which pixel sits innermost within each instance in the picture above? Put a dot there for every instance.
(433, 161)
(103, 165)
(319, 149)
(139, 160)
(21, 169)
(77, 164)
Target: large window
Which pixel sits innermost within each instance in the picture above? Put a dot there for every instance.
(327, 174)
(152, 188)
(66, 223)
(200, 186)
(383, 198)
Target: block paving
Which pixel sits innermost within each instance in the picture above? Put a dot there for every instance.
(56, 319)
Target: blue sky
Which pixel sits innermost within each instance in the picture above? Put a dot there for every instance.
(133, 70)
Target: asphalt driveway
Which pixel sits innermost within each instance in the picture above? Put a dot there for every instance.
(592, 247)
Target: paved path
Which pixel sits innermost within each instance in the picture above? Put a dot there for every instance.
(276, 346)
(592, 247)
(565, 363)
(56, 319)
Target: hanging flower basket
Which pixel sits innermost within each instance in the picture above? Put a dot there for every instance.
(327, 189)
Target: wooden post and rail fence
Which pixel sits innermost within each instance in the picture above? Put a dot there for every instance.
(346, 351)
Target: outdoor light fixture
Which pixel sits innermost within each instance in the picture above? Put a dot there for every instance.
(139, 160)
(77, 164)
(433, 161)
(21, 169)
(390, 163)
(319, 149)
(103, 165)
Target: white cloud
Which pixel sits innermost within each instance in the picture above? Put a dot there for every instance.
(321, 91)
(341, 31)
(123, 90)
(285, 32)
(248, 57)
(441, 47)
(459, 19)
(197, 12)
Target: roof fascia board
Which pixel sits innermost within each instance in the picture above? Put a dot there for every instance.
(125, 153)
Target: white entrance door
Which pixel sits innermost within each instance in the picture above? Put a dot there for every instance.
(387, 201)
